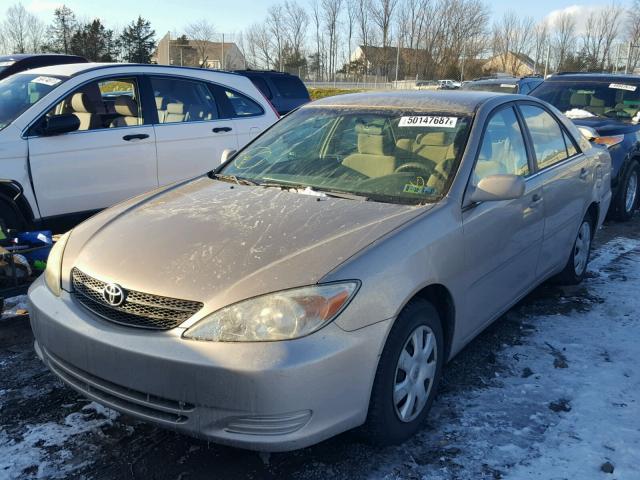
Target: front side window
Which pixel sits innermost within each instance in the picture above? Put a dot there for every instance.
(548, 138)
(619, 99)
(503, 150)
(180, 100)
(20, 92)
(392, 156)
(242, 106)
(107, 103)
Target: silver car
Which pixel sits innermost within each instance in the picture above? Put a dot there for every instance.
(321, 278)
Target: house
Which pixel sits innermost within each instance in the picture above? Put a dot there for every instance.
(186, 52)
(516, 64)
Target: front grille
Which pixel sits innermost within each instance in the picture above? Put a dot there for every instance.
(139, 309)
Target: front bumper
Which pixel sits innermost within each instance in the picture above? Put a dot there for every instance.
(268, 396)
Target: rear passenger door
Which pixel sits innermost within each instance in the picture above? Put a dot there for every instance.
(567, 181)
(191, 133)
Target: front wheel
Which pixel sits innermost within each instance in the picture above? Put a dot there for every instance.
(626, 200)
(408, 375)
(576, 267)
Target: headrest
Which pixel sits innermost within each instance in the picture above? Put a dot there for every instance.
(159, 102)
(126, 106)
(404, 144)
(175, 108)
(372, 144)
(80, 103)
(433, 139)
(368, 129)
(597, 102)
(578, 99)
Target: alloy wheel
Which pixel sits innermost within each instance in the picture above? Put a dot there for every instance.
(415, 372)
(581, 248)
(632, 191)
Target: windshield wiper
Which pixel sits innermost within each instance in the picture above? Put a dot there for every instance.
(340, 194)
(233, 179)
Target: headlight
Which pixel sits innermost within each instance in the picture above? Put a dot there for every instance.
(277, 316)
(54, 265)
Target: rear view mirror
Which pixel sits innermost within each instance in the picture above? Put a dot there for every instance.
(588, 133)
(498, 187)
(227, 153)
(58, 124)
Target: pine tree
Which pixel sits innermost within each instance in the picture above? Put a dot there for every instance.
(137, 42)
(62, 31)
(94, 42)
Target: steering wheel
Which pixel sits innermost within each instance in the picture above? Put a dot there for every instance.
(414, 166)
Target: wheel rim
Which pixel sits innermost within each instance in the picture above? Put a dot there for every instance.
(632, 191)
(581, 248)
(415, 373)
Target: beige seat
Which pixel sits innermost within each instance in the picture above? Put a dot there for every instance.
(596, 105)
(127, 108)
(372, 159)
(578, 100)
(175, 113)
(85, 110)
(162, 111)
(434, 146)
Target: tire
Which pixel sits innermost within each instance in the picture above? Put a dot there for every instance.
(384, 424)
(10, 216)
(626, 200)
(576, 267)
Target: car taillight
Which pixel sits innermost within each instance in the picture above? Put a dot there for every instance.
(609, 141)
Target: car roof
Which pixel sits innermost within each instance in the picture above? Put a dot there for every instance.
(454, 101)
(22, 56)
(594, 76)
(72, 69)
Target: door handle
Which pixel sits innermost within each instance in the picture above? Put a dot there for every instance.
(536, 200)
(221, 129)
(137, 136)
(584, 173)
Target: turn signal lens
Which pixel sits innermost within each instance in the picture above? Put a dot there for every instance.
(609, 141)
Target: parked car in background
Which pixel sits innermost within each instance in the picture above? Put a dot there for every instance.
(449, 84)
(427, 85)
(609, 105)
(77, 138)
(285, 91)
(320, 279)
(521, 85)
(11, 64)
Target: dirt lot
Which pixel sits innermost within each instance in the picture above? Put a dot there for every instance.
(551, 390)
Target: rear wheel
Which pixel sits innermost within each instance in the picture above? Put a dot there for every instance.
(626, 200)
(576, 267)
(408, 375)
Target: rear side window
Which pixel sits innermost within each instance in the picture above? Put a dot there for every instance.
(290, 87)
(262, 86)
(546, 134)
(180, 100)
(242, 106)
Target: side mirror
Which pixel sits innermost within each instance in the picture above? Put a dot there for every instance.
(498, 187)
(58, 124)
(227, 153)
(588, 133)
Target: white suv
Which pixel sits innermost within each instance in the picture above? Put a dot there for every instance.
(77, 138)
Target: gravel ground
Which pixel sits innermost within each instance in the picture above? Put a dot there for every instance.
(520, 401)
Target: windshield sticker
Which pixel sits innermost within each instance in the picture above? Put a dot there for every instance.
(428, 121)
(418, 187)
(507, 85)
(7, 64)
(51, 81)
(622, 86)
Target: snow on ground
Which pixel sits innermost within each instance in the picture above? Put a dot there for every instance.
(14, 304)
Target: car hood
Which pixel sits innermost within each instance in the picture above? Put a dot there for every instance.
(218, 243)
(606, 126)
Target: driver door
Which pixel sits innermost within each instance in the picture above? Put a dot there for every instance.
(502, 239)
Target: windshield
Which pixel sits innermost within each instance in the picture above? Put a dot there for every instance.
(620, 100)
(19, 92)
(386, 155)
(492, 87)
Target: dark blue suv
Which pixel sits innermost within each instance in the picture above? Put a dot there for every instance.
(610, 105)
(521, 85)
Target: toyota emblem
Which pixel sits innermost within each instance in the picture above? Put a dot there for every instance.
(113, 294)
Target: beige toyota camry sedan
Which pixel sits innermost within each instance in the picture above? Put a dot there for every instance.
(321, 278)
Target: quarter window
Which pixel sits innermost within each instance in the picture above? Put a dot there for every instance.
(502, 150)
(547, 136)
(179, 101)
(243, 106)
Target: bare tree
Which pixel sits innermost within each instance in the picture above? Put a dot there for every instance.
(276, 26)
(564, 38)
(600, 33)
(540, 44)
(363, 13)
(16, 28)
(633, 34)
(259, 39)
(296, 22)
(512, 42)
(36, 34)
(201, 34)
(331, 9)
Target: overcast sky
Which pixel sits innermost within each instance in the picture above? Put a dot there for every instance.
(235, 15)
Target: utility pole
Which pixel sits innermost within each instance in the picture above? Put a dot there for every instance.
(546, 65)
(222, 59)
(615, 65)
(397, 61)
(464, 53)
